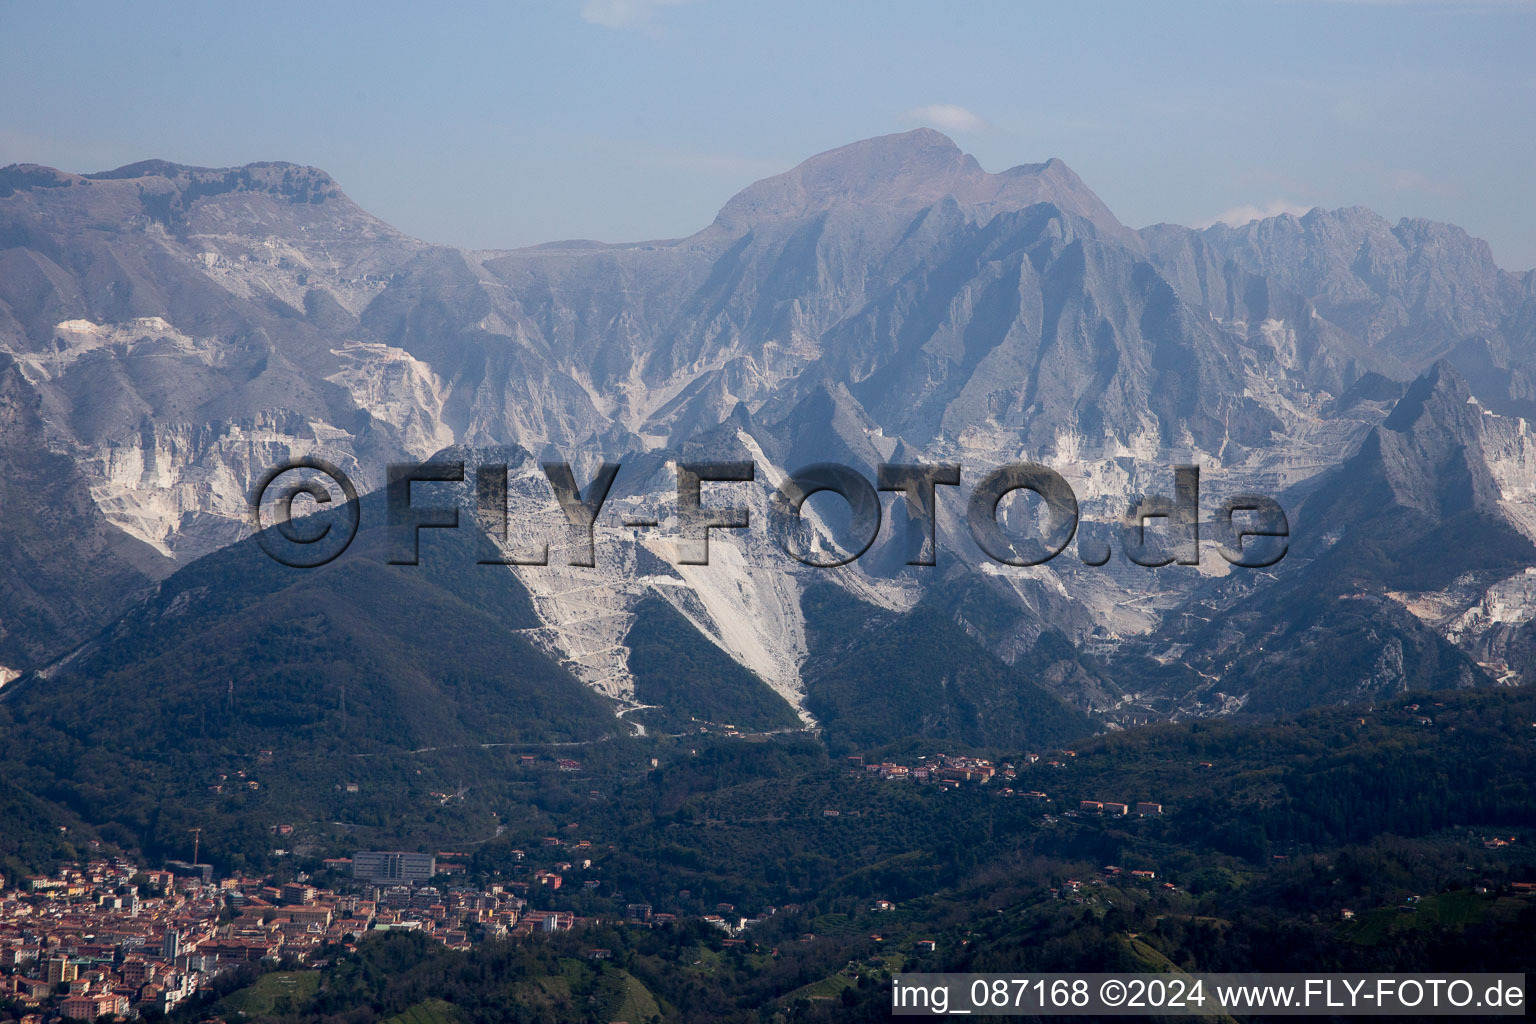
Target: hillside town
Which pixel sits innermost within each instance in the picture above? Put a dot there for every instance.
(108, 937)
(950, 771)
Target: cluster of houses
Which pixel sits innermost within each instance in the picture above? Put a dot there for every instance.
(944, 769)
(236, 782)
(952, 771)
(1072, 888)
(110, 938)
(725, 918)
(565, 764)
(1115, 809)
(106, 937)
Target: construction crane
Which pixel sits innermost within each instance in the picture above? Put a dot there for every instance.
(197, 835)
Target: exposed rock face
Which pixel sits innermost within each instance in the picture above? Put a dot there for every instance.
(178, 330)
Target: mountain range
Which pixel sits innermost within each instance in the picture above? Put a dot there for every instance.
(168, 333)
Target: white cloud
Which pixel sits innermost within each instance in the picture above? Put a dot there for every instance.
(948, 116)
(1240, 215)
(635, 14)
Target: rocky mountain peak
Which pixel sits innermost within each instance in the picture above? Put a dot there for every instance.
(293, 182)
(882, 170)
(1439, 396)
(1428, 451)
(911, 170)
(256, 200)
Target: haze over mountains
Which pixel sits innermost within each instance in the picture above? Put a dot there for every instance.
(167, 333)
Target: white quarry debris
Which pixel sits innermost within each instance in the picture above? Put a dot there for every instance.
(255, 267)
(1510, 601)
(1482, 620)
(399, 389)
(1509, 446)
(753, 615)
(75, 339)
(184, 491)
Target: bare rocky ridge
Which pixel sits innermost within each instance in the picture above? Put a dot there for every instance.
(178, 330)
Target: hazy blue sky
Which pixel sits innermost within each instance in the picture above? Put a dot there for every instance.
(503, 125)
